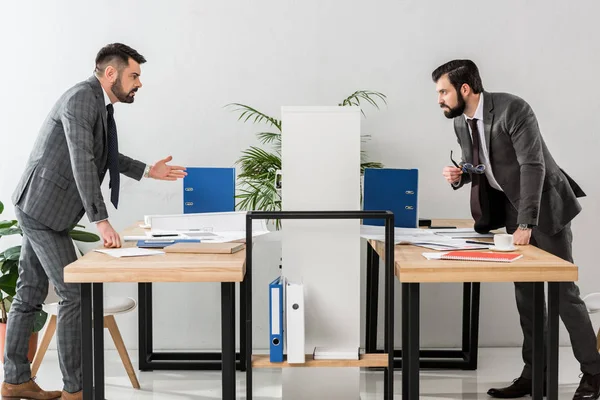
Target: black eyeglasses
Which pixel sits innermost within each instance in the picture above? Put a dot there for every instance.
(468, 167)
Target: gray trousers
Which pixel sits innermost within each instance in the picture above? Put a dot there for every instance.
(571, 308)
(44, 254)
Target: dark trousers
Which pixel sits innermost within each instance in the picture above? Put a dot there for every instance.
(572, 309)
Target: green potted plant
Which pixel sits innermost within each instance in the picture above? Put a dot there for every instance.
(259, 166)
(9, 272)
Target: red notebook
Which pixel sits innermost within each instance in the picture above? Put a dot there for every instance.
(477, 256)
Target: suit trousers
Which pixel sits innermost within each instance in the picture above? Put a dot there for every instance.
(44, 254)
(572, 309)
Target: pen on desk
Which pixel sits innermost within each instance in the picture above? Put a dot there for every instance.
(476, 242)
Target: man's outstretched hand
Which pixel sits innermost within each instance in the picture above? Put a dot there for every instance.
(161, 170)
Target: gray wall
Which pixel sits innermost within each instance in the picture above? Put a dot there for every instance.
(203, 55)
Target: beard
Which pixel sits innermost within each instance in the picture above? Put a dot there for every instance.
(119, 92)
(456, 111)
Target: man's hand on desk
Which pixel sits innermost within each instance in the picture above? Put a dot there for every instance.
(522, 236)
(109, 236)
(452, 174)
(165, 172)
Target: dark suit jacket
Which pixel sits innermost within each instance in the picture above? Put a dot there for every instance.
(68, 162)
(542, 193)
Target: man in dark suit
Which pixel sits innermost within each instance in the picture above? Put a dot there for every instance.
(516, 183)
(76, 146)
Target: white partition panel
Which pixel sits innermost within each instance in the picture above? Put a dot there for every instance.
(321, 171)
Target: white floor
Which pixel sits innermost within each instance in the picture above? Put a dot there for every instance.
(497, 367)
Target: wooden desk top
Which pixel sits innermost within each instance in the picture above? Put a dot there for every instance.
(96, 267)
(535, 266)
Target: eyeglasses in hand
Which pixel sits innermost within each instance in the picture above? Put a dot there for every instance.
(468, 167)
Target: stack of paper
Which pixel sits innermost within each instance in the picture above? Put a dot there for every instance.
(129, 252)
(336, 353)
(419, 237)
(214, 227)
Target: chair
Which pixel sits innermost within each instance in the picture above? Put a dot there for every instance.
(592, 303)
(112, 307)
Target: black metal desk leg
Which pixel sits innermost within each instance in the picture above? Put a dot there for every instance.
(552, 366)
(389, 275)
(538, 341)
(248, 308)
(228, 338)
(372, 298)
(87, 343)
(98, 321)
(471, 296)
(145, 325)
(405, 342)
(242, 326)
(412, 361)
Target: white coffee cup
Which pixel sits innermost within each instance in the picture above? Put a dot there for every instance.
(147, 220)
(503, 241)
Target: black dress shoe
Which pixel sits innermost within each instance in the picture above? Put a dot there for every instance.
(589, 388)
(520, 387)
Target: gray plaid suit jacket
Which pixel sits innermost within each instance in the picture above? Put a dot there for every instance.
(541, 192)
(68, 162)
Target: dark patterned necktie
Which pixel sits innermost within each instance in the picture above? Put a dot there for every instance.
(113, 155)
(476, 180)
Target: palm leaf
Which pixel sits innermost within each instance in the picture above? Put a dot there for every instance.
(7, 224)
(258, 163)
(12, 253)
(247, 112)
(1, 207)
(13, 230)
(368, 96)
(83, 236)
(370, 165)
(269, 137)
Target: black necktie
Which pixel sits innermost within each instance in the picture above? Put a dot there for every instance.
(476, 211)
(113, 155)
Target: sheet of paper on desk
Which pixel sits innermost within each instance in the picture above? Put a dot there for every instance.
(130, 252)
(454, 246)
(433, 256)
(463, 233)
(401, 235)
(419, 237)
(211, 237)
(207, 222)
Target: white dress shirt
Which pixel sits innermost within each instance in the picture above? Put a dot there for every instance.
(106, 103)
(484, 157)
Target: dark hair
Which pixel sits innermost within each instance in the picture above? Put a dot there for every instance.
(118, 52)
(460, 72)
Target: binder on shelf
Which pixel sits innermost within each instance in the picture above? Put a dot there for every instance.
(294, 330)
(395, 190)
(276, 293)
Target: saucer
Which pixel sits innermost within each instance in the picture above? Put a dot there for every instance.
(494, 248)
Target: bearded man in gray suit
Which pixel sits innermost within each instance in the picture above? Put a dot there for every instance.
(516, 183)
(76, 146)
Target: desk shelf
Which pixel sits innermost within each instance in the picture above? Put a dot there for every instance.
(365, 360)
